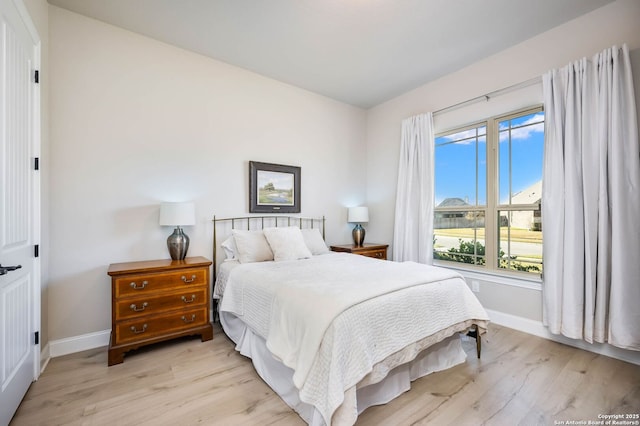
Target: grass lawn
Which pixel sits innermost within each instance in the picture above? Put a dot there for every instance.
(517, 234)
(531, 238)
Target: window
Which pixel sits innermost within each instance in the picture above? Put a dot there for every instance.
(488, 188)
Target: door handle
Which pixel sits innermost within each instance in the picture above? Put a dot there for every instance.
(5, 269)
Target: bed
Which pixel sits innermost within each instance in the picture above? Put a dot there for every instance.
(335, 333)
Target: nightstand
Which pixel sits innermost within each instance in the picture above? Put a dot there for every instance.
(379, 251)
(157, 300)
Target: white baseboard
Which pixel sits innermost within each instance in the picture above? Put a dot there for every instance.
(99, 339)
(45, 357)
(80, 343)
(538, 329)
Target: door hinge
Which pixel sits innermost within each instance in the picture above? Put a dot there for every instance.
(36, 339)
(36, 76)
(36, 163)
(36, 250)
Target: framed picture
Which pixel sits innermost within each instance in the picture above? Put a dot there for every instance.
(273, 188)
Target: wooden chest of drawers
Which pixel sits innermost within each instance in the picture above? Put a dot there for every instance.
(157, 300)
(379, 251)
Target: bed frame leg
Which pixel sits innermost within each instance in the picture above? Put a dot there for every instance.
(215, 310)
(475, 333)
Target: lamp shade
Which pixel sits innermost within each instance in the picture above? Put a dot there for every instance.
(177, 214)
(358, 214)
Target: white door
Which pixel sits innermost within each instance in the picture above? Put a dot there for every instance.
(19, 207)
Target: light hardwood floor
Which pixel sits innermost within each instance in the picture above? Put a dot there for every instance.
(520, 379)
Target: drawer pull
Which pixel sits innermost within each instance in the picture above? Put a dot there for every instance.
(135, 286)
(193, 299)
(136, 331)
(193, 278)
(134, 308)
(187, 321)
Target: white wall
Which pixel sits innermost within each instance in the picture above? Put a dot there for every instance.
(124, 109)
(613, 24)
(135, 122)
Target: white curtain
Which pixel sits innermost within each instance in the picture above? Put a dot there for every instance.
(591, 201)
(413, 228)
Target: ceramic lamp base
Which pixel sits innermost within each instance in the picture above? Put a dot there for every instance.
(178, 244)
(358, 235)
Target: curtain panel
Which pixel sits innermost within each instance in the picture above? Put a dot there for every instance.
(413, 227)
(591, 201)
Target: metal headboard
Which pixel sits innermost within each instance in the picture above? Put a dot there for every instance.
(259, 222)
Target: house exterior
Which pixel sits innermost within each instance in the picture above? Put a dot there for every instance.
(530, 220)
(456, 219)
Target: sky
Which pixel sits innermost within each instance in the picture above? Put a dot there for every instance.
(456, 171)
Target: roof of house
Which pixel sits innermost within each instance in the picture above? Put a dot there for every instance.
(530, 195)
(453, 202)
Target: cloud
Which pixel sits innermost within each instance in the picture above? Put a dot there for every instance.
(535, 124)
(524, 132)
(468, 136)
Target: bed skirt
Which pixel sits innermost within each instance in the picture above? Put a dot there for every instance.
(440, 356)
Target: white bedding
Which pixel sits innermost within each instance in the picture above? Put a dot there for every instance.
(344, 341)
(439, 356)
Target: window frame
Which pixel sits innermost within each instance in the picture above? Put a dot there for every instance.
(492, 208)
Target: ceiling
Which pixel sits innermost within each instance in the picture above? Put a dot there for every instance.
(362, 52)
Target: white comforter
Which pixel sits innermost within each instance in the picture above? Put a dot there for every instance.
(323, 317)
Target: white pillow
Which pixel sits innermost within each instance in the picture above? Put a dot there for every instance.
(229, 248)
(314, 241)
(286, 243)
(252, 246)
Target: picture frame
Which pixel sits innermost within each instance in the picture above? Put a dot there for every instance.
(273, 188)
